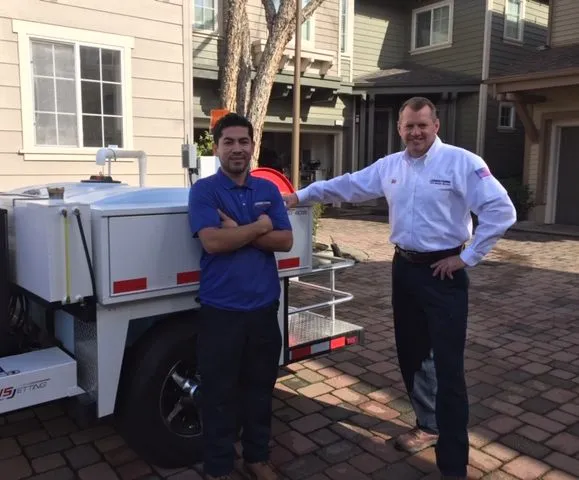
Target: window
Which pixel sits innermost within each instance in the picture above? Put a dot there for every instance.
(514, 20)
(432, 26)
(344, 26)
(307, 27)
(78, 95)
(205, 15)
(506, 116)
(75, 89)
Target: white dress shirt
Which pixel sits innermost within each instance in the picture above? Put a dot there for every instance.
(429, 199)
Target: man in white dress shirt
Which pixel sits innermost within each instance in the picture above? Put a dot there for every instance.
(431, 188)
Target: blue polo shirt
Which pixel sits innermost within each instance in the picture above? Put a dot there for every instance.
(246, 279)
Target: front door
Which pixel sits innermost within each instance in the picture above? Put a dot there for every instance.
(567, 196)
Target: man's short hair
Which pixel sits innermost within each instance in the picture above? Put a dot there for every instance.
(418, 103)
(232, 119)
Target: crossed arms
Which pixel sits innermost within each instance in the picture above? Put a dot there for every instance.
(230, 236)
(219, 233)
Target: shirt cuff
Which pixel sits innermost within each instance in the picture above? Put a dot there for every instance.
(470, 257)
(302, 195)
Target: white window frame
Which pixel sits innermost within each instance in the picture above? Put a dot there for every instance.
(28, 31)
(347, 52)
(439, 46)
(512, 118)
(217, 27)
(521, 24)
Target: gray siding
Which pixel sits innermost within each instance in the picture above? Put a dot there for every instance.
(205, 50)
(381, 35)
(467, 121)
(504, 52)
(504, 149)
(465, 54)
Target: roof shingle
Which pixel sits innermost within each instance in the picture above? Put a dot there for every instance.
(409, 74)
(547, 60)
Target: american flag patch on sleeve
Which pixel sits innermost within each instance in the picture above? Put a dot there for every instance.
(483, 172)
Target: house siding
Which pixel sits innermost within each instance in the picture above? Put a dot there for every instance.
(536, 176)
(381, 37)
(157, 88)
(466, 121)
(345, 69)
(505, 52)
(208, 47)
(565, 30)
(465, 54)
(504, 149)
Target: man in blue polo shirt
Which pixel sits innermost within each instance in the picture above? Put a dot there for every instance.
(241, 222)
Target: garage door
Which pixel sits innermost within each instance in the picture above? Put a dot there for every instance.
(566, 212)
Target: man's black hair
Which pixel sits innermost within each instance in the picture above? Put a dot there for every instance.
(231, 120)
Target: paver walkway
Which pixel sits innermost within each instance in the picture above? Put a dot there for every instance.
(335, 417)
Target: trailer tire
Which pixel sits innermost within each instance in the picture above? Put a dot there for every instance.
(146, 375)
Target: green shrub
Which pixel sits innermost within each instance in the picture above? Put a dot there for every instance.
(205, 144)
(317, 212)
(520, 195)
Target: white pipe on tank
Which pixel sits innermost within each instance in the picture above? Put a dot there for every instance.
(109, 153)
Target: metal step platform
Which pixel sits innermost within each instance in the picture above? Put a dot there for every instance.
(311, 334)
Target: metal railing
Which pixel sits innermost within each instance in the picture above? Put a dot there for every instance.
(331, 265)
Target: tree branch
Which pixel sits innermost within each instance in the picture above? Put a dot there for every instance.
(269, 8)
(310, 8)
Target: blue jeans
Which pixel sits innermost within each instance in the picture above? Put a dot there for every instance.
(430, 322)
(238, 354)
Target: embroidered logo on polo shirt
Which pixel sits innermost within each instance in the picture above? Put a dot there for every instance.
(264, 204)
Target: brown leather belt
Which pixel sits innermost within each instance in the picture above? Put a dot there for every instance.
(427, 257)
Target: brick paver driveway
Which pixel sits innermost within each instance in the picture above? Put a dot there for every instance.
(335, 417)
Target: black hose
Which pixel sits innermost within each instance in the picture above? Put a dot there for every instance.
(86, 253)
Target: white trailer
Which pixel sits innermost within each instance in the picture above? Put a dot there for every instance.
(114, 270)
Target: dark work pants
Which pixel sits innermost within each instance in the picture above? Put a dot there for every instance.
(430, 321)
(238, 356)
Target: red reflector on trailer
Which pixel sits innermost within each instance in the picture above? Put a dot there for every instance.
(337, 342)
(289, 263)
(188, 277)
(301, 352)
(351, 340)
(133, 285)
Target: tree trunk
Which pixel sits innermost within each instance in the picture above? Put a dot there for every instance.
(264, 78)
(280, 33)
(244, 79)
(235, 10)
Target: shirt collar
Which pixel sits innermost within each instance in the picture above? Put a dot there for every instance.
(428, 155)
(226, 182)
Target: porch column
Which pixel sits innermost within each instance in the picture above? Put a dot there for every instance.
(451, 118)
(371, 119)
(338, 166)
(442, 107)
(361, 160)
